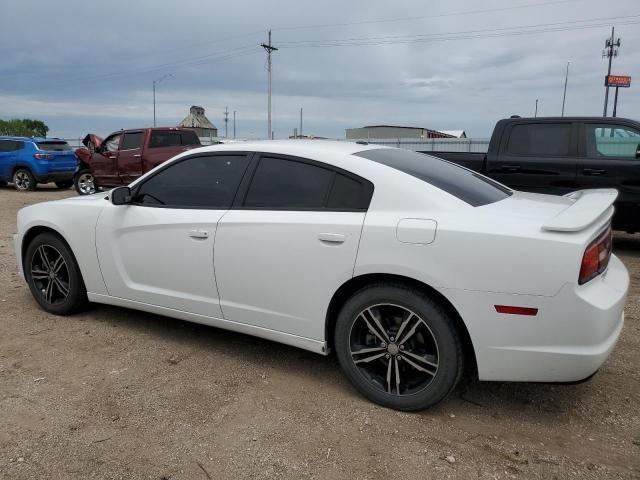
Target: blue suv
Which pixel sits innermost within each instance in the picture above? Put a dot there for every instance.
(28, 161)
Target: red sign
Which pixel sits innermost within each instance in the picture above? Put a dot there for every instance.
(617, 81)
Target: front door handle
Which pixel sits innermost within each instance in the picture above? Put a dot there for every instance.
(510, 168)
(137, 155)
(199, 234)
(593, 171)
(331, 237)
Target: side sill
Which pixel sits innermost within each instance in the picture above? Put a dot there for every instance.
(268, 334)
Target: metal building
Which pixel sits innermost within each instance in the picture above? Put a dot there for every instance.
(197, 121)
(391, 131)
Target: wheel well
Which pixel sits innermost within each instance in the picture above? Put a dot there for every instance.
(20, 167)
(32, 233)
(357, 283)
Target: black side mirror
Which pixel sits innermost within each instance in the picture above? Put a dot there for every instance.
(121, 196)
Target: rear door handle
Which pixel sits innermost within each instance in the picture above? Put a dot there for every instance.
(137, 155)
(331, 237)
(593, 171)
(198, 234)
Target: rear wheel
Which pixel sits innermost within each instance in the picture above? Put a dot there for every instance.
(24, 180)
(84, 182)
(53, 275)
(65, 184)
(398, 347)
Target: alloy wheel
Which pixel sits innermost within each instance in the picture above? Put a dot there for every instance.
(86, 184)
(21, 180)
(50, 274)
(393, 349)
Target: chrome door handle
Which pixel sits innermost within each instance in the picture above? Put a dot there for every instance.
(331, 237)
(137, 155)
(198, 234)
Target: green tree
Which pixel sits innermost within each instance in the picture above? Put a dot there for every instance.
(25, 127)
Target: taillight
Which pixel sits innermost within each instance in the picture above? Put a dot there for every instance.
(44, 156)
(596, 257)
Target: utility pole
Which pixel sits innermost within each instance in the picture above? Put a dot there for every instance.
(536, 113)
(157, 82)
(610, 51)
(615, 103)
(269, 49)
(234, 124)
(226, 122)
(564, 96)
(300, 122)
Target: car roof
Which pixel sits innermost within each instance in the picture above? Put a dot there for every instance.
(293, 147)
(31, 139)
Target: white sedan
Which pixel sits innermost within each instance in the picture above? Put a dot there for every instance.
(409, 267)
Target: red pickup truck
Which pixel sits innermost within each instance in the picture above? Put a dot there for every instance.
(125, 155)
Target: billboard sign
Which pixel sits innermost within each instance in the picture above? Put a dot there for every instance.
(617, 81)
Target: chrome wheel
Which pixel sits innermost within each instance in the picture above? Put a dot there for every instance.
(393, 349)
(50, 274)
(85, 184)
(22, 180)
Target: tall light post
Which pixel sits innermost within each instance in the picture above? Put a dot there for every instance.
(536, 113)
(564, 95)
(157, 82)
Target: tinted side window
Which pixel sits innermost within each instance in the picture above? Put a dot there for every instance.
(468, 186)
(164, 139)
(197, 182)
(350, 194)
(280, 183)
(190, 138)
(612, 141)
(549, 139)
(10, 145)
(132, 140)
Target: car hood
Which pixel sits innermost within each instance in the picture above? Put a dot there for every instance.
(92, 138)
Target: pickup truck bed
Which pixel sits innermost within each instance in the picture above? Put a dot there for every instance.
(559, 155)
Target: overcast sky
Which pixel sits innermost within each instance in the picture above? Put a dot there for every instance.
(460, 64)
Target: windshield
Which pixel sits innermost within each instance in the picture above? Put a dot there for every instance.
(467, 185)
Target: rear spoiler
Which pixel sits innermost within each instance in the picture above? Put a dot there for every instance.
(589, 207)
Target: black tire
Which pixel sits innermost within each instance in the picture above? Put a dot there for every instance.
(84, 182)
(24, 180)
(3, 183)
(64, 185)
(47, 290)
(435, 338)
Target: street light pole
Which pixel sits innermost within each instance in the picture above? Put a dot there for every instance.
(234, 124)
(566, 78)
(157, 82)
(536, 113)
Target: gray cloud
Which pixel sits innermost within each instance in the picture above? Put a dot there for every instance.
(89, 66)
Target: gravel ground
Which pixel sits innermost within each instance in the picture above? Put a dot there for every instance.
(113, 393)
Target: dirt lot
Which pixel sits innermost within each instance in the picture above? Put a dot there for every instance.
(114, 393)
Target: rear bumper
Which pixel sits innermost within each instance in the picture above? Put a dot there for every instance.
(568, 340)
(55, 176)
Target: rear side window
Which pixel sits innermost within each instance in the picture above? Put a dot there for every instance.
(464, 184)
(10, 145)
(282, 183)
(209, 181)
(173, 139)
(132, 140)
(612, 141)
(279, 183)
(54, 146)
(548, 139)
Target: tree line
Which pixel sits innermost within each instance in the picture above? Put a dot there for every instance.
(23, 127)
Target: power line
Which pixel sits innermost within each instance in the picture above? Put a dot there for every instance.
(486, 33)
(425, 17)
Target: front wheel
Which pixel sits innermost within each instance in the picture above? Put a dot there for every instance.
(53, 275)
(84, 182)
(398, 347)
(24, 180)
(64, 185)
